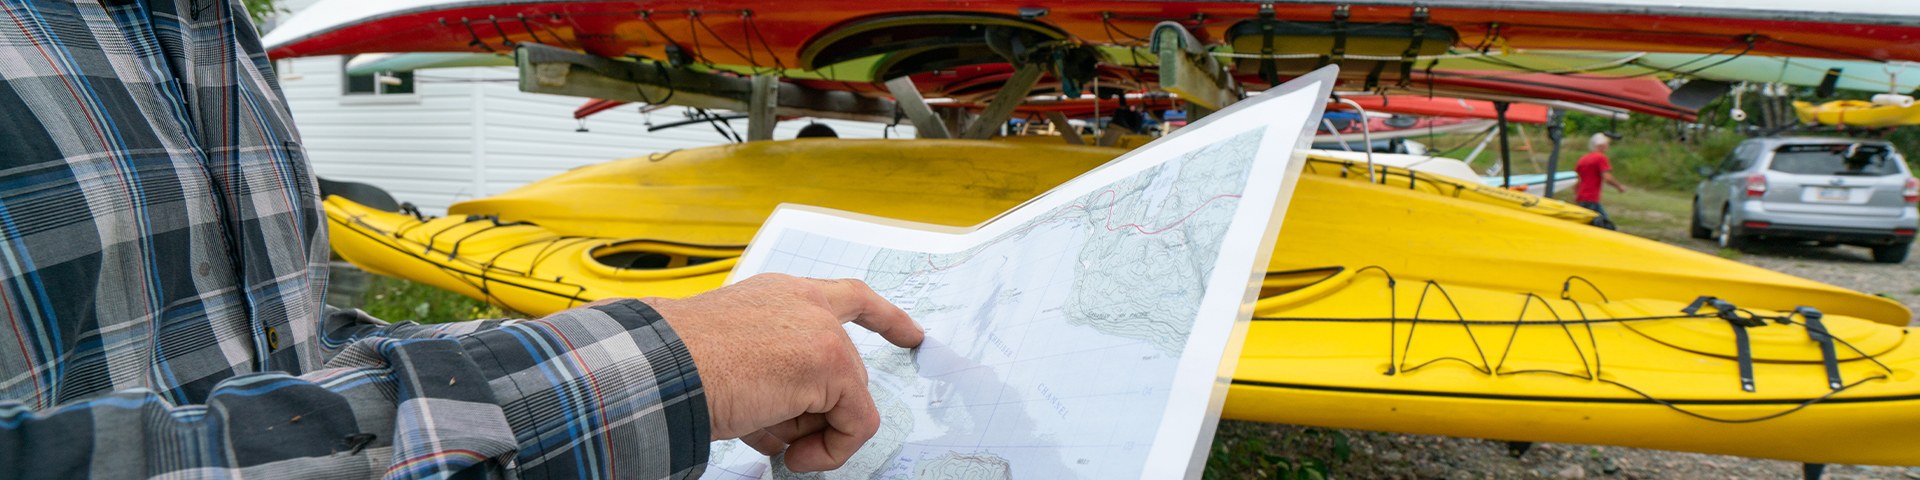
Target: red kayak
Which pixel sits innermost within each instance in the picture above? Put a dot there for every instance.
(1382, 45)
(796, 33)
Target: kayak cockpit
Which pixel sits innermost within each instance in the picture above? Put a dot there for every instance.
(653, 259)
(1293, 287)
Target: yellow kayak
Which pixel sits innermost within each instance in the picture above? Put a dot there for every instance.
(719, 195)
(1449, 186)
(1329, 164)
(1321, 352)
(520, 266)
(1857, 113)
(1671, 384)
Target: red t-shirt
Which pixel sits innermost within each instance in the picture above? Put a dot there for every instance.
(1589, 168)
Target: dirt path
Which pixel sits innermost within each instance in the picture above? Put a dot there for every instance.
(1656, 215)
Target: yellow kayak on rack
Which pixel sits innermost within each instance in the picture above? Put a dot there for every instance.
(1332, 326)
(1857, 113)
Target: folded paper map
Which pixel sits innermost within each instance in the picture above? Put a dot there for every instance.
(1089, 333)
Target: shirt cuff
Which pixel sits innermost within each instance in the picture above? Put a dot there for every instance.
(607, 391)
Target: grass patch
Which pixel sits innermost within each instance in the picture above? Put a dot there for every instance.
(1255, 457)
(1728, 253)
(1645, 160)
(397, 300)
(1651, 213)
(1915, 291)
(1671, 203)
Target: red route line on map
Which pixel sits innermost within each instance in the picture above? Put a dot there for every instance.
(1108, 224)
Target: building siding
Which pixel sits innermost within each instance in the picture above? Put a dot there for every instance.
(469, 132)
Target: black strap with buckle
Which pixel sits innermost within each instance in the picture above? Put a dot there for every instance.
(1373, 76)
(1817, 332)
(1745, 355)
(1269, 71)
(1339, 53)
(1743, 348)
(1420, 18)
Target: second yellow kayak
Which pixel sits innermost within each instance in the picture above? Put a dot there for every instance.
(1857, 113)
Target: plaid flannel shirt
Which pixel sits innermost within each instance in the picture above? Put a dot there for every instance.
(162, 267)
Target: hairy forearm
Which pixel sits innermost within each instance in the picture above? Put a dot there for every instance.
(405, 401)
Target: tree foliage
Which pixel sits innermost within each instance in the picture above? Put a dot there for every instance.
(1663, 153)
(261, 11)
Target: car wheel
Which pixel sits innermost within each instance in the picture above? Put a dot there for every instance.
(1726, 237)
(1894, 253)
(1694, 227)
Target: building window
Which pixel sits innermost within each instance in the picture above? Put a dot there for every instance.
(382, 83)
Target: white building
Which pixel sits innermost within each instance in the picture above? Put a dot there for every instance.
(468, 132)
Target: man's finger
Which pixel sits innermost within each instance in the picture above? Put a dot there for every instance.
(764, 443)
(850, 423)
(801, 426)
(851, 300)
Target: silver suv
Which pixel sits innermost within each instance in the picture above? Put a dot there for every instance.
(1825, 190)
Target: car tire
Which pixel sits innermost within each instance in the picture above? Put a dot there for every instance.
(1727, 239)
(1694, 227)
(1894, 253)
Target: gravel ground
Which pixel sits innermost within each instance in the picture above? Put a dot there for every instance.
(1378, 455)
(1845, 266)
(1656, 215)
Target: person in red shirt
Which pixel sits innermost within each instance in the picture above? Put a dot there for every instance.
(1593, 169)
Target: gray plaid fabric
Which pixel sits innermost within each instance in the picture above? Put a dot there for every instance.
(162, 261)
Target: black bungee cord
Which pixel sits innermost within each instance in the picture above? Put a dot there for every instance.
(1593, 372)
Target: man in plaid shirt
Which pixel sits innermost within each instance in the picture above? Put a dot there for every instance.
(162, 266)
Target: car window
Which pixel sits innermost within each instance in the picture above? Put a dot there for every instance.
(1730, 164)
(1737, 160)
(1832, 159)
(1748, 154)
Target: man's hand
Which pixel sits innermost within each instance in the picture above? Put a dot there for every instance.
(778, 368)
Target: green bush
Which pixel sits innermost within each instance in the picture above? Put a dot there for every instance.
(1652, 152)
(1663, 153)
(1652, 159)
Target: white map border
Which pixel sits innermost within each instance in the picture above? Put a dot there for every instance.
(1284, 110)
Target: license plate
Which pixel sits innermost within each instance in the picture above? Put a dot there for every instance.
(1830, 194)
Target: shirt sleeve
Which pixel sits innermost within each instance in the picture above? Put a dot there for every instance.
(601, 392)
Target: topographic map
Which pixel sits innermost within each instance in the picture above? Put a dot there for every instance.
(1056, 334)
